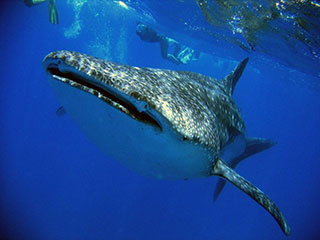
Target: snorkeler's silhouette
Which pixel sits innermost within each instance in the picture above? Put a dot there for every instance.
(181, 54)
(53, 12)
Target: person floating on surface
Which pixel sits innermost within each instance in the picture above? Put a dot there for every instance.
(181, 54)
(53, 12)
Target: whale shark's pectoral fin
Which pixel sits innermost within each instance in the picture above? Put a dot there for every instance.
(253, 146)
(222, 170)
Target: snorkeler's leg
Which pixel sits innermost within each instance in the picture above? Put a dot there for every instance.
(53, 12)
(38, 1)
(164, 46)
(31, 3)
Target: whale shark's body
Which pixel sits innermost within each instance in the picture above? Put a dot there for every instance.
(161, 123)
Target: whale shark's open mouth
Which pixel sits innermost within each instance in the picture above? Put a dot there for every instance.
(106, 93)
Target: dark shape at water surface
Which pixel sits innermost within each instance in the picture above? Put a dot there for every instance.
(285, 30)
(161, 123)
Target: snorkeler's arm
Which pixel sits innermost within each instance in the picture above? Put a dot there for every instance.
(53, 12)
(164, 47)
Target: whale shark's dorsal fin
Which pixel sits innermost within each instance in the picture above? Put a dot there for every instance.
(222, 170)
(231, 80)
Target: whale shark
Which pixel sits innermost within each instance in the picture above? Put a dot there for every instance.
(160, 123)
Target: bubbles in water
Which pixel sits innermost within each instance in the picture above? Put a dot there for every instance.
(74, 30)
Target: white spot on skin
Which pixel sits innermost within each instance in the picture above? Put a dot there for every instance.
(122, 4)
(123, 75)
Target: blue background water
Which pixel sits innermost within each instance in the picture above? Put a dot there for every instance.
(55, 184)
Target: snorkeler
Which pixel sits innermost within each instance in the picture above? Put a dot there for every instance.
(181, 54)
(53, 12)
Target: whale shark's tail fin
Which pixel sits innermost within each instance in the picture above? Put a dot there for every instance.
(253, 146)
(222, 170)
(231, 80)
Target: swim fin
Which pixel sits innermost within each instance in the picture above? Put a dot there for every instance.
(53, 12)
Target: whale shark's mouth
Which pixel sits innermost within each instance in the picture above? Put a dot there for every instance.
(104, 92)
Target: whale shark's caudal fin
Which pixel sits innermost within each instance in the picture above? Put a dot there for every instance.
(231, 80)
(222, 170)
(253, 146)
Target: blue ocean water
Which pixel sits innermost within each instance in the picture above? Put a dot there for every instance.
(56, 184)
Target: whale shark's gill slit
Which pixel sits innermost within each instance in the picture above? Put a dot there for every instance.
(112, 99)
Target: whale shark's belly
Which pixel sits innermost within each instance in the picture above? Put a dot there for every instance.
(139, 146)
